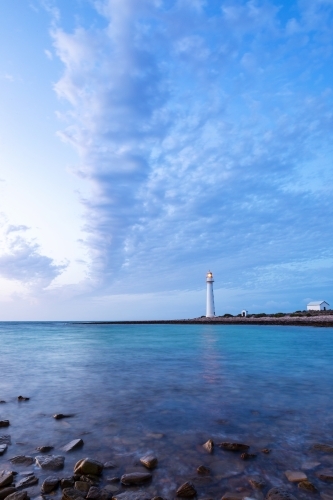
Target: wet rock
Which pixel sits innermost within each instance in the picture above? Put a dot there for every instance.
(247, 456)
(203, 470)
(132, 495)
(89, 479)
(115, 479)
(76, 443)
(4, 423)
(18, 495)
(67, 482)
(88, 466)
(4, 492)
(325, 475)
(22, 460)
(3, 448)
(51, 483)
(5, 439)
(111, 488)
(186, 490)
(44, 449)
(72, 494)
(109, 465)
(149, 461)
(22, 398)
(82, 486)
(50, 462)
(135, 478)
(209, 446)
(326, 448)
(307, 485)
(6, 478)
(234, 446)
(29, 480)
(59, 416)
(258, 483)
(295, 476)
(279, 494)
(94, 493)
(266, 451)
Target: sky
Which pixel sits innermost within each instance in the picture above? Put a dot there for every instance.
(145, 142)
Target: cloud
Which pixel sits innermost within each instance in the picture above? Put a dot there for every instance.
(191, 129)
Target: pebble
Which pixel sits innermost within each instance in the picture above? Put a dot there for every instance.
(149, 461)
(3, 448)
(279, 494)
(234, 446)
(4, 423)
(209, 446)
(186, 490)
(135, 478)
(27, 481)
(72, 445)
(306, 485)
(51, 483)
(22, 460)
(203, 470)
(6, 478)
(50, 462)
(88, 466)
(4, 492)
(295, 476)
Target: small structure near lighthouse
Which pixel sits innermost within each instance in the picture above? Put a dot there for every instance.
(210, 308)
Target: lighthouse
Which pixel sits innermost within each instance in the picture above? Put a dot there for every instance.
(210, 309)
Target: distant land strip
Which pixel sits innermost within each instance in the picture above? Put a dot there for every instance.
(302, 320)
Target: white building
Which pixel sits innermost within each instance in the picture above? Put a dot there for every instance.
(319, 305)
(210, 308)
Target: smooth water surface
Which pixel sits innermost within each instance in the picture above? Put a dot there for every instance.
(166, 389)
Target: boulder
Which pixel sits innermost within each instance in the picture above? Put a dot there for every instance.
(51, 483)
(149, 461)
(132, 495)
(234, 446)
(279, 494)
(72, 445)
(29, 480)
(135, 478)
(72, 494)
(4, 423)
(186, 490)
(4, 492)
(209, 446)
(295, 476)
(50, 462)
(88, 466)
(6, 478)
(3, 448)
(18, 495)
(22, 460)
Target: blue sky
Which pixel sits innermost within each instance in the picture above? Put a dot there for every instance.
(143, 142)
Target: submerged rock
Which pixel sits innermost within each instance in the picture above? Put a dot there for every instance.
(186, 490)
(82, 486)
(5, 492)
(67, 482)
(72, 445)
(203, 470)
(22, 398)
(50, 462)
(44, 449)
(88, 466)
(115, 479)
(149, 461)
(135, 478)
(51, 483)
(326, 448)
(209, 446)
(306, 485)
(279, 494)
(3, 448)
(295, 476)
(94, 493)
(246, 456)
(5, 439)
(6, 478)
(22, 460)
(27, 481)
(59, 416)
(109, 465)
(325, 475)
(266, 451)
(4, 423)
(234, 446)
(257, 482)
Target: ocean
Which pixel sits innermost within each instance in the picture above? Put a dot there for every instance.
(166, 390)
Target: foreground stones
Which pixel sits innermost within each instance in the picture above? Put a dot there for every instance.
(51, 483)
(88, 466)
(186, 490)
(3, 448)
(135, 478)
(149, 461)
(27, 481)
(6, 478)
(50, 462)
(5, 492)
(22, 460)
(72, 494)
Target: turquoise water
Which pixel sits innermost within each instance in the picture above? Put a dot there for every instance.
(166, 389)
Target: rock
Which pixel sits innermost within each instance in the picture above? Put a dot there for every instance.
(59, 416)
(111, 488)
(3, 448)
(257, 482)
(203, 470)
(310, 465)
(6, 478)
(72, 494)
(325, 475)
(44, 449)
(326, 448)
(50, 462)
(82, 486)
(22, 460)
(115, 479)
(18, 495)
(306, 485)
(67, 482)
(246, 456)
(186, 490)
(266, 451)
(295, 476)
(22, 398)
(135, 478)
(4, 492)
(279, 494)
(94, 493)
(5, 439)
(76, 443)
(234, 446)
(4, 423)
(149, 461)
(233, 496)
(109, 465)
(27, 481)
(132, 495)
(88, 466)
(51, 483)
(89, 479)
(209, 446)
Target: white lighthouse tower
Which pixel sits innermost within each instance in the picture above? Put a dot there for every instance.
(210, 309)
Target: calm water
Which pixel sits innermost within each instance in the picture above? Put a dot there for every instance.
(166, 389)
